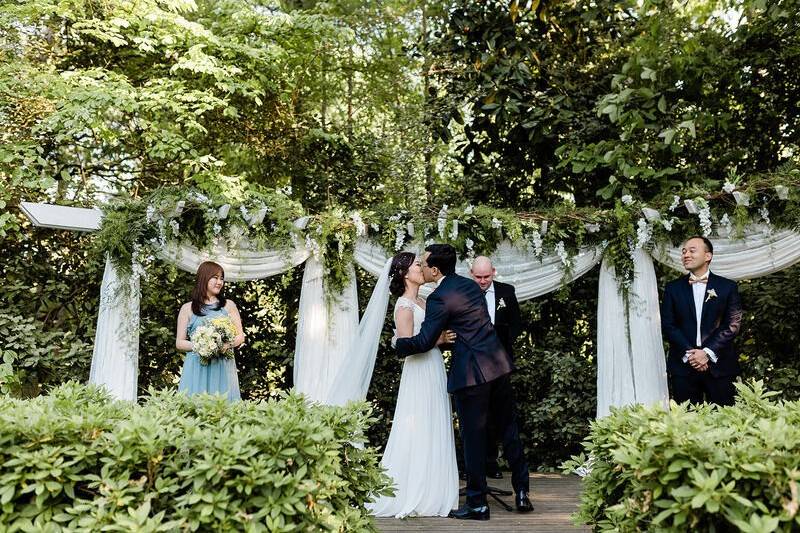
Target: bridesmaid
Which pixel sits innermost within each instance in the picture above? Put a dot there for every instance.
(208, 301)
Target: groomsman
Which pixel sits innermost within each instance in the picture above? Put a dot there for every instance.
(700, 315)
(501, 301)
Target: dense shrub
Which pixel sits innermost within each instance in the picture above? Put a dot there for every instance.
(76, 459)
(695, 468)
(31, 355)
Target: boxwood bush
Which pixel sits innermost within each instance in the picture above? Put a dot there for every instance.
(701, 468)
(76, 460)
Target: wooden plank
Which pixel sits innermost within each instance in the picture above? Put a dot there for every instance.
(555, 498)
(62, 217)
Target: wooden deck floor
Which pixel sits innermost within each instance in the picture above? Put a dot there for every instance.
(555, 498)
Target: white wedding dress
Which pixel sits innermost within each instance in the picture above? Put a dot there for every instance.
(420, 455)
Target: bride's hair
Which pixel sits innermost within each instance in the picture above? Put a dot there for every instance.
(397, 272)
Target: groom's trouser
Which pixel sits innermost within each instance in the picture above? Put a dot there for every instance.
(475, 406)
(696, 385)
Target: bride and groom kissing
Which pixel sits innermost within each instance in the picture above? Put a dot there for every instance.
(420, 452)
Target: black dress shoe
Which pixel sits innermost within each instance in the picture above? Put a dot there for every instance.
(465, 512)
(524, 505)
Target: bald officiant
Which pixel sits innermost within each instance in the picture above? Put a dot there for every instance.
(501, 300)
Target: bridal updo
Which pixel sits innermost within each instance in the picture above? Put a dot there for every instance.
(398, 270)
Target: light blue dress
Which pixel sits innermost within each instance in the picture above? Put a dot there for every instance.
(219, 376)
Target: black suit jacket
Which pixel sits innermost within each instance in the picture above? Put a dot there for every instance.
(720, 321)
(478, 356)
(507, 317)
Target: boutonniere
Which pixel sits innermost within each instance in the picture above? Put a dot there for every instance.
(501, 304)
(710, 293)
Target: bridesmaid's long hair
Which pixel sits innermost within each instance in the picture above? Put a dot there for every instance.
(206, 271)
(398, 270)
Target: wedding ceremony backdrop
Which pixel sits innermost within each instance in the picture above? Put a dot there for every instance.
(335, 352)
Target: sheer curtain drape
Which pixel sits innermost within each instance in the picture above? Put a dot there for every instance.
(352, 380)
(239, 265)
(325, 333)
(530, 275)
(115, 357)
(335, 353)
(631, 365)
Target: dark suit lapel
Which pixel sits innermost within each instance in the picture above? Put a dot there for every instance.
(708, 304)
(688, 297)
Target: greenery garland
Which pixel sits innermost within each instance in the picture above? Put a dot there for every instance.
(133, 229)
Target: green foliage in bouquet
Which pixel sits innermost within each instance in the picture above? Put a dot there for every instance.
(695, 468)
(77, 460)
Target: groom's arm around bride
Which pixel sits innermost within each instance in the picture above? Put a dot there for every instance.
(458, 304)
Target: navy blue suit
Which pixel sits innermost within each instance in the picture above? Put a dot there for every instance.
(478, 378)
(720, 321)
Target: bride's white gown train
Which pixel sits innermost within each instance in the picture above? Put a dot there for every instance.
(420, 455)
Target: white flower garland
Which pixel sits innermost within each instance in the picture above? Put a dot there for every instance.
(644, 232)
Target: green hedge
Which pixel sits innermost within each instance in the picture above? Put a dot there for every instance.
(695, 468)
(77, 460)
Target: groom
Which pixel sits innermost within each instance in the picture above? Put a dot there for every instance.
(479, 377)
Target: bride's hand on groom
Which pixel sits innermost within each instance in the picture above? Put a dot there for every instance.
(447, 337)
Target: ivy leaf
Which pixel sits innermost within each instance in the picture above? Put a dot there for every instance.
(689, 125)
(668, 134)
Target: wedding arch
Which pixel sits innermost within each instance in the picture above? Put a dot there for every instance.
(335, 352)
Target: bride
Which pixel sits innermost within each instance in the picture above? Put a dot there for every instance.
(420, 455)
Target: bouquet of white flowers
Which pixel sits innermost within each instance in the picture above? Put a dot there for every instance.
(209, 339)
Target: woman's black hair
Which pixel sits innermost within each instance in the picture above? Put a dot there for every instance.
(398, 270)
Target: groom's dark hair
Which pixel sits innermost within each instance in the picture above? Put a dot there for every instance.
(443, 257)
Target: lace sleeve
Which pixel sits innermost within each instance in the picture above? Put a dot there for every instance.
(404, 303)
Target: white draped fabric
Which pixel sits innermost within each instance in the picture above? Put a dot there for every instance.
(631, 366)
(530, 276)
(116, 343)
(115, 358)
(760, 253)
(354, 376)
(335, 354)
(239, 265)
(326, 331)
